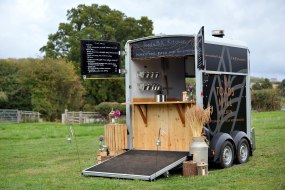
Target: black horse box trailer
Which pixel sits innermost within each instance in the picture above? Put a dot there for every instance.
(220, 68)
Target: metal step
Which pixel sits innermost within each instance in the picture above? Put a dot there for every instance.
(138, 164)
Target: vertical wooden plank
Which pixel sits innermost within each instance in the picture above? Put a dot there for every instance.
(171, 128)
(146, 141)
(114, 137)
(122, 137)
(107, 137)
(139, 134)
(126, 137)
(178, 134)
(105, 134)
(108, 143)
(164, 126)
(119, 128)
(190, 134)
(118, 136)
(134, 127)
(110, 136)
(118, 133)
(140, 131)
(143, 127)
(172, 122)
(154, 114)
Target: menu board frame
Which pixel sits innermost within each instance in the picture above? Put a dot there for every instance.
(171, 46)
(100, 57)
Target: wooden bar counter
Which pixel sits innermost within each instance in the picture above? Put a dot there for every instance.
(148, 118)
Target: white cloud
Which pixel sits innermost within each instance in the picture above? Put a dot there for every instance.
(25, 24)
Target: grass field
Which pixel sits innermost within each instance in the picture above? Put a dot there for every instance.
(37, 156)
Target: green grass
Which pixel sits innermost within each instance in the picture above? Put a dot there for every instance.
(37, 156)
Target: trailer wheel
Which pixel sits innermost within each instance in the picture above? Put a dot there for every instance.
(227, 155)
(242, 151)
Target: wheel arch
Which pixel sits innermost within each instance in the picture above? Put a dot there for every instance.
(237, 136)
(216, 144)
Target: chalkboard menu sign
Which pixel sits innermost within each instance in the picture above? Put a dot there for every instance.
(163, 47)
(100, 57)
(200, 49)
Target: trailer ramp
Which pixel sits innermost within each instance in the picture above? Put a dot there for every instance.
(138, 164)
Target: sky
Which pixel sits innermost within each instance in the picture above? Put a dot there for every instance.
(26, 24)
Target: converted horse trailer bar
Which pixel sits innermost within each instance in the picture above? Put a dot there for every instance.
(158, 70)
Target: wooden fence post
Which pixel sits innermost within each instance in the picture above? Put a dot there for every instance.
(80, 117)
(66, 116)
(38, 116)
(73, 117)
(18, 116)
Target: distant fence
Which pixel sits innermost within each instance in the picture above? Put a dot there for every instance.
(72, 117)
(18, 116)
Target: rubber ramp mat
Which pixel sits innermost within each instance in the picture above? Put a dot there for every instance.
(138, 164)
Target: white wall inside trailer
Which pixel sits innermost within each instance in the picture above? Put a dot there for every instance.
(171, 78)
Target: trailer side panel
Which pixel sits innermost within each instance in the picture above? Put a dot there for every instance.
(225, 89)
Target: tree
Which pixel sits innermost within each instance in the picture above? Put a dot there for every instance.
(265, 100)
(93, 22)
(53, 86)
(264, 84)
(3, 97)
(264, 97)
(256, 86)
(14, 96)
(100, 23)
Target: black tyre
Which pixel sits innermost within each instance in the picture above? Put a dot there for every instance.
(242, 151)
(227, 155)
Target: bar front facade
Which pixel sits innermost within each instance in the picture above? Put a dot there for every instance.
(159, 67)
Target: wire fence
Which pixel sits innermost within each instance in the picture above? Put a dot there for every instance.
(18, 116)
